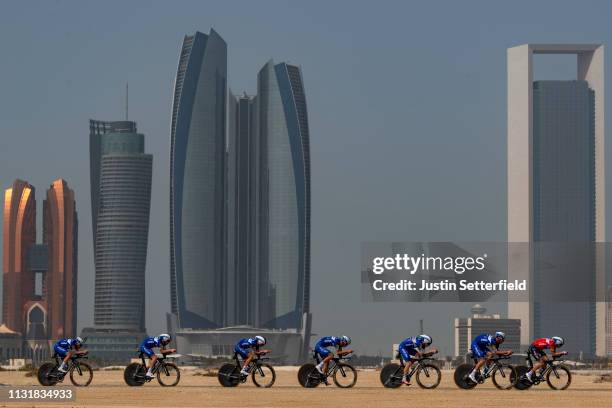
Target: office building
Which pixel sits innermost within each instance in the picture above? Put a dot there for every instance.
(556, 191)
(121, 174)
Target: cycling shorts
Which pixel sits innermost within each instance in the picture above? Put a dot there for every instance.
(147, 351)
(60, 351)
(322, 351)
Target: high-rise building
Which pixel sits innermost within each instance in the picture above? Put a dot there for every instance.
(60, 236)
(40, 279)
(19, 235)
(284, 186)
(556, 191)
(239, 205)
(197, 183)
(121, 174)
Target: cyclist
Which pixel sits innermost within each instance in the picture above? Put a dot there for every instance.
(482, 349)
(64, 349)
(413, 348)
(149, 343)
(537, 351)
(247, 349)
(321, 349)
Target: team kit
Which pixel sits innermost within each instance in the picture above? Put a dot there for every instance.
(331, 356)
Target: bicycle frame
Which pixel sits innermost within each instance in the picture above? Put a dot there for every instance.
(491, 365)
(550, 365)
(415, 366)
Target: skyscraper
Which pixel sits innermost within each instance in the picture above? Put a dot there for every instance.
(121, 174)
(284, 184)
(197, 183)
(40, 279)
(60, 235)
(556, 189)
(19, 229)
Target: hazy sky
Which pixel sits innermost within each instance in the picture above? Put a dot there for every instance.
(406, 104)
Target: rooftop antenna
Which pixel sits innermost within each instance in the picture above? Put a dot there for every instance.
(127, 100)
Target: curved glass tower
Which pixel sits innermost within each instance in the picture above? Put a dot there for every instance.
(122, 228)
(197, 183)
(284, 266)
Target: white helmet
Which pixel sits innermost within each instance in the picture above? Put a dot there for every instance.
(558, 341)
(164, 338)
(78, 341)
(500, 334)
(424, 339)
(261, 340)
(345, 339)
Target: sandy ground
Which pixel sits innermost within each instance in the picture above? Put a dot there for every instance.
(108, 389)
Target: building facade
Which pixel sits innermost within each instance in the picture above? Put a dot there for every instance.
(40, 279)
(60, 236)
(556, 191)
(197, 183)
(239, 201)
(121, 174)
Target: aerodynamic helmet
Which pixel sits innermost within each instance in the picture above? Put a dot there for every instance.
(345, 339)
(558, 341)
(261, 340)
(424, 339)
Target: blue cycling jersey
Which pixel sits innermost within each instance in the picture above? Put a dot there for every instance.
(151, 342)
(66, 344)
(328, 341)
(411, 343)
(485, 341)
(247, 343)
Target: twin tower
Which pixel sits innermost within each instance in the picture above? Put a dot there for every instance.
(239, 205)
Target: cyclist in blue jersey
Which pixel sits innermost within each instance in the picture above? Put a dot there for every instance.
(146, 347)
(64, 349)
(322, 350)
(247, 349)
(484, 347)
(413, 348)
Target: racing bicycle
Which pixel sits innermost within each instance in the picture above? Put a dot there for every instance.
(556, 374)
(81, 373)
(262, 373)
(427, 374)
(343, 374)
(502, 373)
(167, 373)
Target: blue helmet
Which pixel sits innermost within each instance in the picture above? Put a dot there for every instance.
(424, 340)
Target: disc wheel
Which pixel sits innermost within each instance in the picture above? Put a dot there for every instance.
(43, 374)
(428, 376)
(345, 376)
(388, 376)
(263, 376)
(504, 377)
(559, 378)
(521, 383)
(229, 375)
(81, 375)
(461, 377)
(168, 375)
(308, 376)
(134, 374)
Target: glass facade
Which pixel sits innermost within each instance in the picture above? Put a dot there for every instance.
(284, 263)
(197, 183)
(563, 201)
(122, 226)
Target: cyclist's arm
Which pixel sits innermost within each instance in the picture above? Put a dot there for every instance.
(559, 354)
(344, 352)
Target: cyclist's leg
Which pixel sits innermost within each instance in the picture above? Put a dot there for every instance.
(149, 353)
(540, 357)
(407, 356)
(246, 356)
(326, 357)
(481, 355)
(64, 355)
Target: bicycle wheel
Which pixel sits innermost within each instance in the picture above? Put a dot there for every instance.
(504, 377)
(134, 374)
(390, 376)
(263, 376)
(521, 383)
(461, 377)
(81, 375)
(345, 375)
(229, 375)
(428, 376)
(304, 374)
(168, 375)
(43, 374)
(559, 378)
